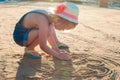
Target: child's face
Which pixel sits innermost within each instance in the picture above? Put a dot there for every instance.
(62, 24)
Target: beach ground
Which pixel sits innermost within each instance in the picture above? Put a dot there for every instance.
(94, 46)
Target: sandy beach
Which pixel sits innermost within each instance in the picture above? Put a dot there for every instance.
(94, 46)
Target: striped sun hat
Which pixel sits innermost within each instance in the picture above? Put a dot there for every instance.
(68, 11)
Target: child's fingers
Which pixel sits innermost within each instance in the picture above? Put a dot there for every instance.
(63, 51)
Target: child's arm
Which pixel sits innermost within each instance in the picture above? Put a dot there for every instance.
(52, 36)
(43, 36)
(54, 42)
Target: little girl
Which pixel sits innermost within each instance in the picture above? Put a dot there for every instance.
(37, 27)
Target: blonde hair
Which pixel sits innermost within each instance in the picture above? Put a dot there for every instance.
(55, 18)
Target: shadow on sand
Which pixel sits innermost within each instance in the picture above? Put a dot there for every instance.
(28, 68)
(63, 70)
(36, 69)
(81, 67)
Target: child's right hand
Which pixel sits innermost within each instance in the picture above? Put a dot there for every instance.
(63, 55)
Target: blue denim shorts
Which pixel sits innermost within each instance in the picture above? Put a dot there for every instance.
(20, 35)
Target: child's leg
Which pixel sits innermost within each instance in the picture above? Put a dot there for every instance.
(32, 41)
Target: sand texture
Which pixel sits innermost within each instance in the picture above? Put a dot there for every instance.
(94, 46)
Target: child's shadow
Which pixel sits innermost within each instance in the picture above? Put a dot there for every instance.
(63, 70)
(28, 68)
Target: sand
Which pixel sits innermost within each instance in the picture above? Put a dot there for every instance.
(94, 46)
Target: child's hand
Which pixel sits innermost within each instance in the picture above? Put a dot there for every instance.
(63, 55)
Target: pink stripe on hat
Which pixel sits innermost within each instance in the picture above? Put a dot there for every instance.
(70, 15)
